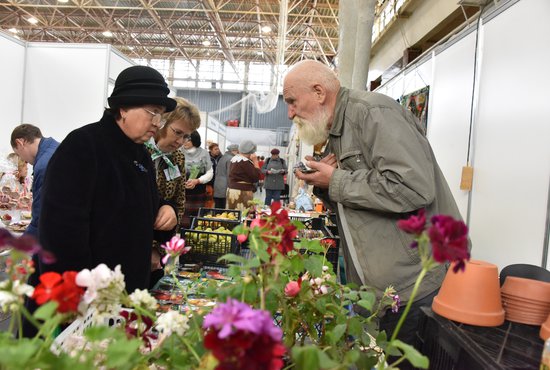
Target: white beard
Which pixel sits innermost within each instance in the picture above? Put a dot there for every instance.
(313, 131)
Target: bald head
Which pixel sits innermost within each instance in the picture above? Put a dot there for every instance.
(310, 91)
(312, 72)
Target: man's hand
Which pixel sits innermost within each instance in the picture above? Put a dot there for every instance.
(321, 178)
(166, 219)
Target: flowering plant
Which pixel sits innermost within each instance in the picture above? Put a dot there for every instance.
(282, 307)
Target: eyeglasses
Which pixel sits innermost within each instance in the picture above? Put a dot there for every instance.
(180, 134)
(156, 119)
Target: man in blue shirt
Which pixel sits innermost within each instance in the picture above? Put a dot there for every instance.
(29, 144)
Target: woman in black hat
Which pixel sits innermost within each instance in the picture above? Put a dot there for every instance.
(100, 199)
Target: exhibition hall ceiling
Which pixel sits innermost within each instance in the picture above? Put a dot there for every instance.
(190, 30)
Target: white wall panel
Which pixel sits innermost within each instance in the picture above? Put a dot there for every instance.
(449, 112)
(117, 63)
(418, 77)
(64, 86)
(512, 137)
(12, 71)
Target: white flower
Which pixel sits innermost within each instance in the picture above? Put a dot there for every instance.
(104, 290)
(325, 268)
(142, 298)
(11, 294)
(172, 322)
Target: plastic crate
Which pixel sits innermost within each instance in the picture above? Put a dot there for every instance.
(452, 345)
(213, 223)
(78, 326)
(213, 212)
(208, 246)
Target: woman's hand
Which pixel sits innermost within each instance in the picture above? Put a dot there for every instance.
(190, 184)
(166, 219)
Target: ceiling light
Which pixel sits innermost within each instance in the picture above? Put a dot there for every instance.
(131, 47)
(63, 1)
(107, 34)
(206, 43)
(260, 52)
(13, 30)
(32, 20)
(172, 49)
(266, 29)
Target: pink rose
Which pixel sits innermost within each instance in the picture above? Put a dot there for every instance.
(292, 289)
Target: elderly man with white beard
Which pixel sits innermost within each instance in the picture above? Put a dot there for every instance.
(378, 167)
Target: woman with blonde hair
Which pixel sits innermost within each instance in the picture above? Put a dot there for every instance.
(170, 168)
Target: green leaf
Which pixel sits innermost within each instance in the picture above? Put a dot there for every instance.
(312, 245)
(297, 264)
(314, 264)
(252, 263)
(17, 354)
(326, 361)
(337, 333)
(355, 327)
(352, 356)
(121, 352)
(234, 271)
(100, 332)
(411, 354)
(230, 257)
(46, 311)
(367, 304)
(306, 358)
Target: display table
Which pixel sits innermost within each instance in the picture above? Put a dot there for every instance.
(452, 345)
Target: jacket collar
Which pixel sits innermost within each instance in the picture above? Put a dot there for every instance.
(43, 146)
(339, 112)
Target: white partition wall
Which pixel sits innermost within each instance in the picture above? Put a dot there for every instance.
(449, 112)
(12, 73)
(64, 86)
(512, 136)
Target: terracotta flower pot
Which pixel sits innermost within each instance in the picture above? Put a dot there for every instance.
(545, 329)
(472, 296)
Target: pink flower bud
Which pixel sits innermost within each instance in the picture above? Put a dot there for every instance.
(242, 238)
(292, 289)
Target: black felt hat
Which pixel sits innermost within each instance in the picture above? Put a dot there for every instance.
(141, 85)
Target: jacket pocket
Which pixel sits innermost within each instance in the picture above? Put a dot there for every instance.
(352, 159)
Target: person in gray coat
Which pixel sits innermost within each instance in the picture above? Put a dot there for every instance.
(378, 168)
(222, 171)
(274, 169)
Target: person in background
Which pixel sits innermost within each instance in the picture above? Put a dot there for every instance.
(31, 147)
(100, 201)
(261, 161)
(198, 168)
(244, 173)
(378, 168)
(222, 172)
(274, 169)
(215, 156)
(170, 169)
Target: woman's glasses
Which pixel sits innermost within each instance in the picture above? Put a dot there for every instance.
(156, 119)
(180, 134)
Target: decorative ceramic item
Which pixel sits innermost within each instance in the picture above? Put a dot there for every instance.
(472, 296)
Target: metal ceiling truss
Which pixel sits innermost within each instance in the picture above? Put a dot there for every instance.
(160, 29)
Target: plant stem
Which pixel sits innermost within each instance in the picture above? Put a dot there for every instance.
(192, 350)
(28, 316)
(262, 288)
(409, 303)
